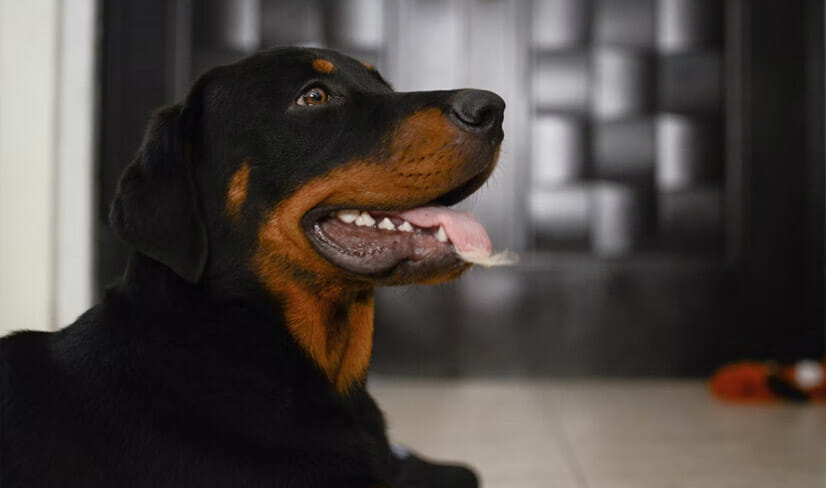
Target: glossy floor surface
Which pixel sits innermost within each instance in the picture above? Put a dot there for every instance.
(606, 434)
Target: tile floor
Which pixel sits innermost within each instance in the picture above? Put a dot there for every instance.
(606, 434)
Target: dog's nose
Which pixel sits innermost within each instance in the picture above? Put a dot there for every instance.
(477, 111)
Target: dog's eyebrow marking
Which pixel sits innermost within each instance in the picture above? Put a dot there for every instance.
(323, 66)
(368, 65)
(237, 190)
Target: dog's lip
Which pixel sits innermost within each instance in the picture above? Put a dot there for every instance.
(447, 199)
(371, 252)
(431, 255)
(413, 253)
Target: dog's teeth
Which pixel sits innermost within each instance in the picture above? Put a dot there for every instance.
(405, 227)
(386, 224)
(441, 235)
(365, 220)
(347, 216)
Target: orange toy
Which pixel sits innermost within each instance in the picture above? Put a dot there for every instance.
(754, 382)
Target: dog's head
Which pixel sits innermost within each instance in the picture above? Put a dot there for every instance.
(303, 164)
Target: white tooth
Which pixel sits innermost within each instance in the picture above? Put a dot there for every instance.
(441, 235)
(405, 227)
(347, 216)
(365, 220)
(386, 224)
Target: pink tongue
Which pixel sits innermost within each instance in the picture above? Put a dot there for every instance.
(462, 228)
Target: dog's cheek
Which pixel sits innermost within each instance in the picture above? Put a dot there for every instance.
(282, 256)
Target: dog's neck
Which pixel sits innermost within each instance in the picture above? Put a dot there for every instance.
(332, 325)
(148, 280)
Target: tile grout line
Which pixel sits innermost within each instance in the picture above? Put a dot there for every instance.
(567, 448)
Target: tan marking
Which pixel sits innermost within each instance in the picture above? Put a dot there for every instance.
(311, 288)
(334, 328)
(368, 65)
(323, 66)
(237, 190)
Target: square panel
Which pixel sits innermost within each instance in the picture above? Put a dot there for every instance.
(430, 48)
(692, 220)
(230, 25)
(624, 150)
(560, 216)
(558, 155)
(623, 83)
(691, 83)
(298, 22)
(560, 24)
(561, 82)
(688, 24)
(620, 218)
(689, 152)
(624, 22)
(357, 24)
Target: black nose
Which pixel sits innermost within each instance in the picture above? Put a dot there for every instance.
(477, 111)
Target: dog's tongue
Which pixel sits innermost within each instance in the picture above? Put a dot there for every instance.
(462, 228)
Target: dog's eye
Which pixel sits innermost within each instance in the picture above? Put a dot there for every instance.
(313, 96)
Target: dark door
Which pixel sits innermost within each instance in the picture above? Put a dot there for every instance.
(662, 177)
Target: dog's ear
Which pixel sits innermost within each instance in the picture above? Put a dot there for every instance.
(156, 208)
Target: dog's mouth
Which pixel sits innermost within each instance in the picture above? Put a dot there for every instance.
(405, 244)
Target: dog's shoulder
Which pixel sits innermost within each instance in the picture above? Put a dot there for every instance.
(142, 381)
(24, 363)
(39, 408)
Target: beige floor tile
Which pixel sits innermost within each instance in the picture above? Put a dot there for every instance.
(601, 434)
(673, 434)
(499, 428)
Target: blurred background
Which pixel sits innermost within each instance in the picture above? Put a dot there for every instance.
(662, 173)
(662, 178)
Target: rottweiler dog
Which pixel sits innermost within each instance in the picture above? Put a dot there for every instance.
(263, 211)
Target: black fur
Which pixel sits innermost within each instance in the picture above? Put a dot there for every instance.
(156, 208)
(185, 374)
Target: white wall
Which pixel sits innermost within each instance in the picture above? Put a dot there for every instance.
(46, 86)
(75, 195)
